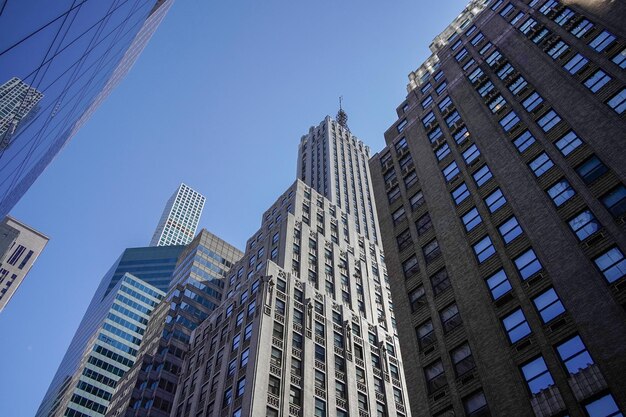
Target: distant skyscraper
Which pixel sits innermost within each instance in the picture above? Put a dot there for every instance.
(67, 70)
(180, 218)
(197, 289)
(306, 327)
(20, 245)
(114, 303)
(17, 99)
(502, 207)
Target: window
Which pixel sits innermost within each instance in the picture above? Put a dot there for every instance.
(451, 171)
(620, 59)
(393, 194)
(541, 164)
(484, 249)
(362, 400)
(471, 219)
(615, 201)
(548, 121)
(460, 193)
(602, 41)
(527, 264)
(495, 200)
(399, 215)
(493, 59)
(597, 80)
(441, 88)
(518, 85)
(516, 326)
(423, 224)
(404, 240)
(591, 169)
(228, 397)
(461, 135)
(440, 282)
(435, 378)
(479, 37)
(475, 404)
(509, 121)
(428, 119)
(498, 284)
(603, 407)
(445, 103)
(558, 49)
(426, 87)
(532, 101)
(416, 200)
(549, 305)
(431, 250)
(462, 359)
(320, 408)
(482, 175)
(510, 229)
(417, 298)
(618, 102)
(582, 28)
(410, 179)
(537, 375)
(427, 102)
(523, 141)
(470, 154)
(584, 224)
(401, 125)
(452, 119)
(442, 151)
(425, 334)
(505, 71)
(574, 355)
(485, 88)
(450, 317)
(497, 104)
(295, 395)
(241, 386)
(574, 65)
(399, 145)
(611, 264)
(561, 192)
(475, 75)
(568, 142)
(435, 134)
(564, 17)
(470, 63)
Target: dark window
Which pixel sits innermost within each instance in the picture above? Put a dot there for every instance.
(615, 201)
(462, 359)
(450, 318)
(417, 298)
(591, 169)
(431, 250)
(423, 224)
(435, 377)
(440, 282)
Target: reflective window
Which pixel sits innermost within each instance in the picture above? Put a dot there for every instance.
(537, 375)
(549, 305)
(612, 264)
(516, 326)
(498, 284)
(584, 224)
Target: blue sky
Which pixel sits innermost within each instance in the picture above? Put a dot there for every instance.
(219, 100)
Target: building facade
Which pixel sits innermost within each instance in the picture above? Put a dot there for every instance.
(501, 202)
(67, 76)
(111, 350)
(20, 246)
(151, 266)
(180, 218)
(306, 327)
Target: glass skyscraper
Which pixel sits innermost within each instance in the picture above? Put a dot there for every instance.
(150, 266)
(58, 61)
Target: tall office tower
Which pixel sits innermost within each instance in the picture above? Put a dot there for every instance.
(196, 290)
(501, 203)
(306, 326)
(180, 218)
(20, 245)
(113, 303)
(72, 56)
(17, 99)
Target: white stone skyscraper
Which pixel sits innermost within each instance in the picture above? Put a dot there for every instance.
(180, 218)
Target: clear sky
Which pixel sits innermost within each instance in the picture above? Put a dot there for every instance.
(219, 99)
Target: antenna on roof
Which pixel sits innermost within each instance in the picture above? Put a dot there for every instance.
(342, 117)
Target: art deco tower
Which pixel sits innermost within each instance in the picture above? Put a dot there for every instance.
(502, 207)
(306, 326)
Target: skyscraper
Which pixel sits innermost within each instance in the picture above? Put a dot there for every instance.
(68, 58)
(501, 202)
(152, 267)
(180, 218)
(197, 289)
(306, 326)
(20, 245)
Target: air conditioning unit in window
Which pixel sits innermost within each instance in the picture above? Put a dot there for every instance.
(457, 125)
(388, 164)
(402, 151)
(430, 126)
(447, 111)
(406, 170)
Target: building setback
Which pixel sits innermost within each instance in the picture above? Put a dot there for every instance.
(306, 326)
(501, 203)
(180, 218)
(53, 105)
(20, 245)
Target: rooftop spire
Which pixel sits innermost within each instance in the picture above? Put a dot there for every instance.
(342, 117)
